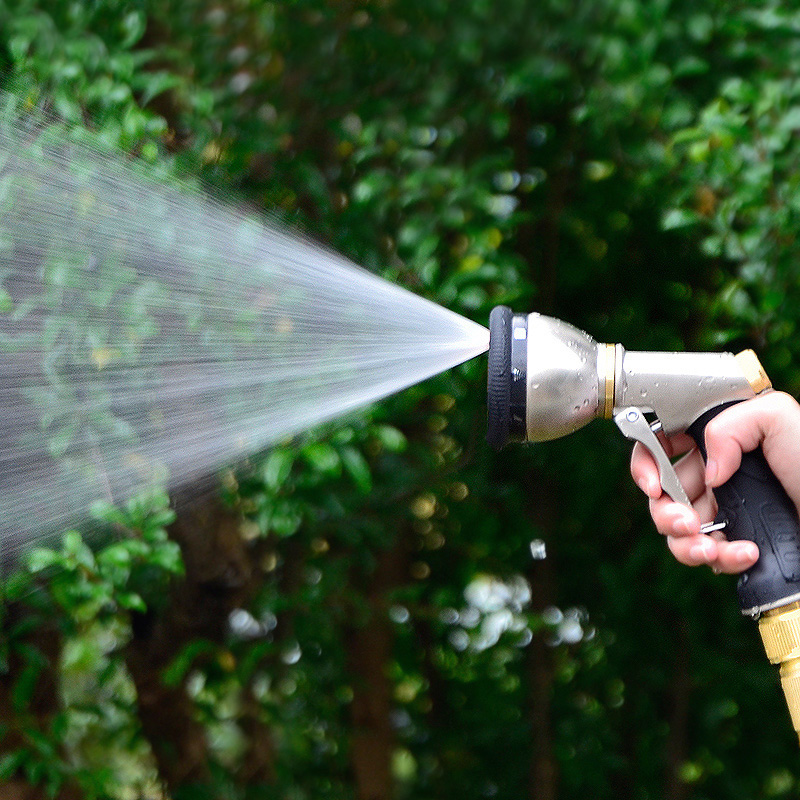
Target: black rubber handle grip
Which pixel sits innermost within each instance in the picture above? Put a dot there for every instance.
(754, 505)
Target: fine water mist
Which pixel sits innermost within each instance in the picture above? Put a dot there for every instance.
(152, 335)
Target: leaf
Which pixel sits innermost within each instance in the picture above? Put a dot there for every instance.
(45, 747)
(59, 442)
(253, 657)
(25, 685)
(157, 83)
(168, 556)
(107, 512)
(115, 560)
(76, 550)
(599, 170)
(177, 669)
(277, 467)
(678, 218)
(690, 66)
(41, 559)
(16, 586)
(391, 438)
(285, 523)
(790, 120)
(322, 457)
(10, 763)
(356, 466)
(132, 601)
(133, 25)
(161, 519)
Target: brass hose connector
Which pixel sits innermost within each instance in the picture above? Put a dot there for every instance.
(780, 632)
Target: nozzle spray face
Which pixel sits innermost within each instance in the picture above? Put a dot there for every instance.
(543, 378)
(508, 369)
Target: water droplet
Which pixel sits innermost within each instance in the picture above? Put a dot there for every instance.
(538, 549)
(470, 617)
(269, 621)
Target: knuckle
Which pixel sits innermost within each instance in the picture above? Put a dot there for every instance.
(783, 403)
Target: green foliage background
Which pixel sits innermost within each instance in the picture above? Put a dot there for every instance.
(628, 165)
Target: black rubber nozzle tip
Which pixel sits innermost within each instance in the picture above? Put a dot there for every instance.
(499, 384)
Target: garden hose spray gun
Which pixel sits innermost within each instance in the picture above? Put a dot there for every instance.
(547, 379)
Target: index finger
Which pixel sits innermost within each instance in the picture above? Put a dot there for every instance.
(644, 468)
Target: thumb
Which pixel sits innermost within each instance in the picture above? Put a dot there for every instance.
(772, 421)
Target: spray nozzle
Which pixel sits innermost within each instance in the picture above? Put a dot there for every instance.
(543, 378)
(548, 379)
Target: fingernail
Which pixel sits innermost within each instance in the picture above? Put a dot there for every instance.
(700, 552)
(747, 553)
(712, 470)
(683, 528)
(647, 485)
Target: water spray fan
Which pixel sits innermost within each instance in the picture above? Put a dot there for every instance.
(548, 379)
(151, 334)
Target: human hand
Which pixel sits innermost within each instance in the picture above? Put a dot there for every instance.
(771, 421)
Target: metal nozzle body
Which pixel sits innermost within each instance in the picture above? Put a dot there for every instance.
(678, 387)
(563, 387)
(570, 379)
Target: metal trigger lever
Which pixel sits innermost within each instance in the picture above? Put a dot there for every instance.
(635, 426)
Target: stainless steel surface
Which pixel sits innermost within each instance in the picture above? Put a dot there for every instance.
(712, 527)
(679, 387)
(756, 611)
(571, 380)
(634, 426)
(563, 382)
